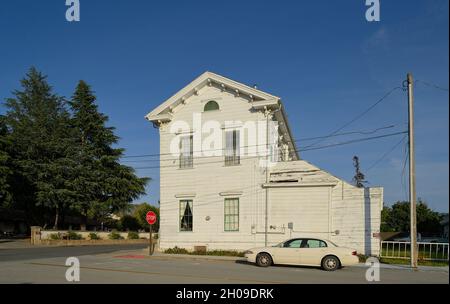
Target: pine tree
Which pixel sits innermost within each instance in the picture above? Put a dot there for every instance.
(102, 184)
(5, 165)
(41, 135)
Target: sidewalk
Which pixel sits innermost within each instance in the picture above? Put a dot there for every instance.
(200, 257)
(143, 254)
(15, 243)
(407, 267)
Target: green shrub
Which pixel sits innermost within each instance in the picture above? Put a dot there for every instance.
(94, 236)
(115, 236)
(71, 235)
(225, 253)
(128, 222)
(176, 250)
(362, 258)
(133, 235)
(56, 236)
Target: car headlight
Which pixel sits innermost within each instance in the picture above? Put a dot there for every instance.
(248, 252)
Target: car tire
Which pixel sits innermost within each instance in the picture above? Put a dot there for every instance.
(330, 263)
(264, 260)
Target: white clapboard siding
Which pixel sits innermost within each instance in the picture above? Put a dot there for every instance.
(306, 208)
(208, 180)
(316, 202)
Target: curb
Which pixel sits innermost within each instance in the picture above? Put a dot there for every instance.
(202, 257)
(406, 267)
(243, 259)
(197, 257)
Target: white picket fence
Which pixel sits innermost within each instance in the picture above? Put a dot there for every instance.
(427, 251)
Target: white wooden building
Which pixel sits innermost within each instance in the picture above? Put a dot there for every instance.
(224, 198)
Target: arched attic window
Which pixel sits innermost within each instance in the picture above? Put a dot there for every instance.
(211, 106)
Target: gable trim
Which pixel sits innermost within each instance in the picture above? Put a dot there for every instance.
(208, 78)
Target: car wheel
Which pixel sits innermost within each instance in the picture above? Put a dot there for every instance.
(264, 260)
(330, 263)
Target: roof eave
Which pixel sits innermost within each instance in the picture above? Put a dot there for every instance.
(203, 79)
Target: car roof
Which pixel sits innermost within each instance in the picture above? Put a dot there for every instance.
(307, 238)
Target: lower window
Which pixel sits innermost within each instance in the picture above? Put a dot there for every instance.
(231, 214)
(186, 215)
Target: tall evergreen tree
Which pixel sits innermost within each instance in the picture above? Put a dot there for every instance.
(41, 135)
(5, 165)
(102, 184)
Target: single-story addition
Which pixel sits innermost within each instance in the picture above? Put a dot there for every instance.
(217, 191)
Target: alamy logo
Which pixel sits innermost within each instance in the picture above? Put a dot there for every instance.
(373, 12)
(373, 272)
(232, 139)
(73, 12)
(73, 272)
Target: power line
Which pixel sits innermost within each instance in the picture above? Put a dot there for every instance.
(432, 85)
(352, 141)
(357, 117)
(250, 146)
(301, 150)
(386, 154)
(347, 133)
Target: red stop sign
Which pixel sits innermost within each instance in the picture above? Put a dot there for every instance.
(151, 217)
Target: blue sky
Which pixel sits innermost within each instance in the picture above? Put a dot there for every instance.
(322, 57)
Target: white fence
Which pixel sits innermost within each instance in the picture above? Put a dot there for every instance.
(427, 251)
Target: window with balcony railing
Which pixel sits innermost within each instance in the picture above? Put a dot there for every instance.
(186, 152)
(232, 153)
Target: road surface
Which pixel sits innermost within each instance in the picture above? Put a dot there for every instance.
(129, 264)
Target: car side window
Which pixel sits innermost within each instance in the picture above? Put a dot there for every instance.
(315, 244)
(293, 244)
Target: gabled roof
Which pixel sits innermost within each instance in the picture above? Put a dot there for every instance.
(257, 98)
(204, 79)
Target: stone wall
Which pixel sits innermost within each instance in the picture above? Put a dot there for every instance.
(43, 237)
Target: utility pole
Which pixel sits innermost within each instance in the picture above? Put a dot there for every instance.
(412, 172)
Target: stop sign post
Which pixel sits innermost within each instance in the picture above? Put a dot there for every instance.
(150, 217)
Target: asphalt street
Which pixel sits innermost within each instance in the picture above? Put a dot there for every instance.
(129, 264)
(28, 252)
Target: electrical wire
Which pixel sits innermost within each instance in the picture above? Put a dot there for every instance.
(252, 146)
(386, 154)
(347, 133)
(432, 85)
(359, 116)
(301, 150)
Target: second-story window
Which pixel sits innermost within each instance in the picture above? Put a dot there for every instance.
(186, 152)
(232, 147)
